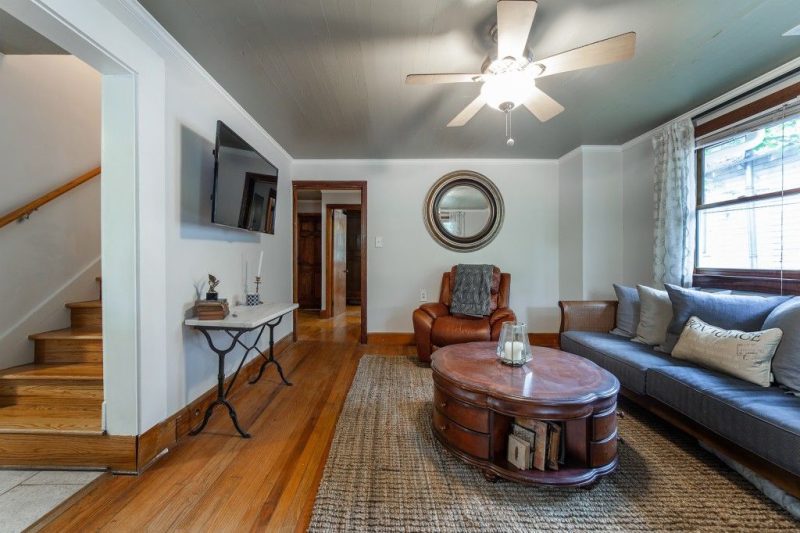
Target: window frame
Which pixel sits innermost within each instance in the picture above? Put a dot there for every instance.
(757, 280)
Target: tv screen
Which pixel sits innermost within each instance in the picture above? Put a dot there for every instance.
(245, 184)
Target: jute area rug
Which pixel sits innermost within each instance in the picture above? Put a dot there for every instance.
(386, 472)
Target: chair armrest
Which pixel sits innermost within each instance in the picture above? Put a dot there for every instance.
(503, 314)
(597, 315)
(435, 310)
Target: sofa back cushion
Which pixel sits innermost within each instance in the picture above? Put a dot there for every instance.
(654, 316)
(744, 355)
(627, 311)
(726, 311)
(786, 363)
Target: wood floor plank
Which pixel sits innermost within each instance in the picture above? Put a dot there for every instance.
(221, 482)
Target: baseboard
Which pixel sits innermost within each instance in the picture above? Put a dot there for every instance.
(165, 435)
(394, 338)
(389, 338)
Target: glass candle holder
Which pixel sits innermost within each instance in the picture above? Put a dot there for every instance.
(513, 348)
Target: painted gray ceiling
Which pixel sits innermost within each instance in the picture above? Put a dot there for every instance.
(326, 77)
(17, 38)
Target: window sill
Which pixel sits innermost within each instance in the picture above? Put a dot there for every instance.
(748, 280)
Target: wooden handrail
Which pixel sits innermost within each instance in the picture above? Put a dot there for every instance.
(27, 209)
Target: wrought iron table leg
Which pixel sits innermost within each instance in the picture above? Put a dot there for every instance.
(271, 358)
(222, 393)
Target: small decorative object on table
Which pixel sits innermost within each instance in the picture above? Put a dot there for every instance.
(211, 309)
(255, 298)
(212, 285)
(513, 348)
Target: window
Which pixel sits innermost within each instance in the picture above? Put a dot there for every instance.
(748, 201)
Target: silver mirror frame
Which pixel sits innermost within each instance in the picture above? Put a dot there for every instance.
(444, 184)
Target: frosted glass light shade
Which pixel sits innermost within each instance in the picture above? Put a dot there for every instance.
(513, 87)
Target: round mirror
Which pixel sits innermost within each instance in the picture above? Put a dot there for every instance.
(463, 211)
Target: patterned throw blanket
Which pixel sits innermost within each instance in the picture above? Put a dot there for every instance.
(471, 294)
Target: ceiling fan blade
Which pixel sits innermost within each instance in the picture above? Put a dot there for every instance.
(514, 21)
(541, 105)
(603, 52)
(425, 79)
(467, 113)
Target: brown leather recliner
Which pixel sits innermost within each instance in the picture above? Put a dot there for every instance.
(435, 327)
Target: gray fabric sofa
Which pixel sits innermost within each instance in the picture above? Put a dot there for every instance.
(762, 423)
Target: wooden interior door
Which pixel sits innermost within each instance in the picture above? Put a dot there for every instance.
(353, 256)
(309, 260)
(338, 262)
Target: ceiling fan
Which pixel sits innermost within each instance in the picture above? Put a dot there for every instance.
(509, 78)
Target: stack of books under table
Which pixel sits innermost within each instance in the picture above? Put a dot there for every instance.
(536, 444)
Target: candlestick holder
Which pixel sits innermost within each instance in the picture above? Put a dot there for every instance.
(255, 298)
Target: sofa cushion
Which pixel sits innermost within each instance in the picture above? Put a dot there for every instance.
(654, 316)
(627, 311)
(741, 354)
(627, 360)
(786, 363)
(726, 311)
(765, 421)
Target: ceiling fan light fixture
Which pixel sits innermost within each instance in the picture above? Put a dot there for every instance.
(508, 88)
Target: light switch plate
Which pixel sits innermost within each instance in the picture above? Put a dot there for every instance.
(378, 242)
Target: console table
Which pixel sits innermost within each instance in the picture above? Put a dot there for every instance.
(241, 320)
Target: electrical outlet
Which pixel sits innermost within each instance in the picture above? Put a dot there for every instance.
(423, 295)
(378, 242)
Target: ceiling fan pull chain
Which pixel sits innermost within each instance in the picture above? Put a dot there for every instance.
(507, 110)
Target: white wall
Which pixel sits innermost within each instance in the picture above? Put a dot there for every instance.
(602, 221)
(638, 174)
(50, 131)
(410, 260)
(570, 226)
(194, 247)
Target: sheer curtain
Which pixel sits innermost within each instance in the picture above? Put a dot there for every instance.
(675, 203)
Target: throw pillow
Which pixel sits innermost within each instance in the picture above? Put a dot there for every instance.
(627, 311)
(655, 314)
(741, 354)
(727, 311)
(786, 364)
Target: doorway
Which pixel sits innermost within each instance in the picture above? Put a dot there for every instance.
(330, 252)
(343, 258)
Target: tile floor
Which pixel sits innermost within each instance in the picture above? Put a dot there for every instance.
(28, 495)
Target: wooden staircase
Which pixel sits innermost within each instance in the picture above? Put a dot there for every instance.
(51, 411)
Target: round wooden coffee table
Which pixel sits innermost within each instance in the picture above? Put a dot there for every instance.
(476, 399)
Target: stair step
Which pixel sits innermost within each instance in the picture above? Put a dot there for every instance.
(45, 449)
(89, 304)
(86, 314)
(35, 418)
(70, 345)
(48, 372)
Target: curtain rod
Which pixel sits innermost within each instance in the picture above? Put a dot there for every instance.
(747, 93)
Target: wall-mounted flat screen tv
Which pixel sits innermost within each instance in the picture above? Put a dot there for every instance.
(245, 184)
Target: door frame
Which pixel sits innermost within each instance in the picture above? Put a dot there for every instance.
(329, 209)
(315, 185)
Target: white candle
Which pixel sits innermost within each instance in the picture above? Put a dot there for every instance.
(513, 350)
(260, 260)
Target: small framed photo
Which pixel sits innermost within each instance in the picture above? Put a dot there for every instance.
(519, 452)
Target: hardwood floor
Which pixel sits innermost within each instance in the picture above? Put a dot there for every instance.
(217, 481)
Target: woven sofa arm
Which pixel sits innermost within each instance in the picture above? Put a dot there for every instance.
(597, 315)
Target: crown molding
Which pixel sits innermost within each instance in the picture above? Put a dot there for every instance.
(426, 161)
(165, 38)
